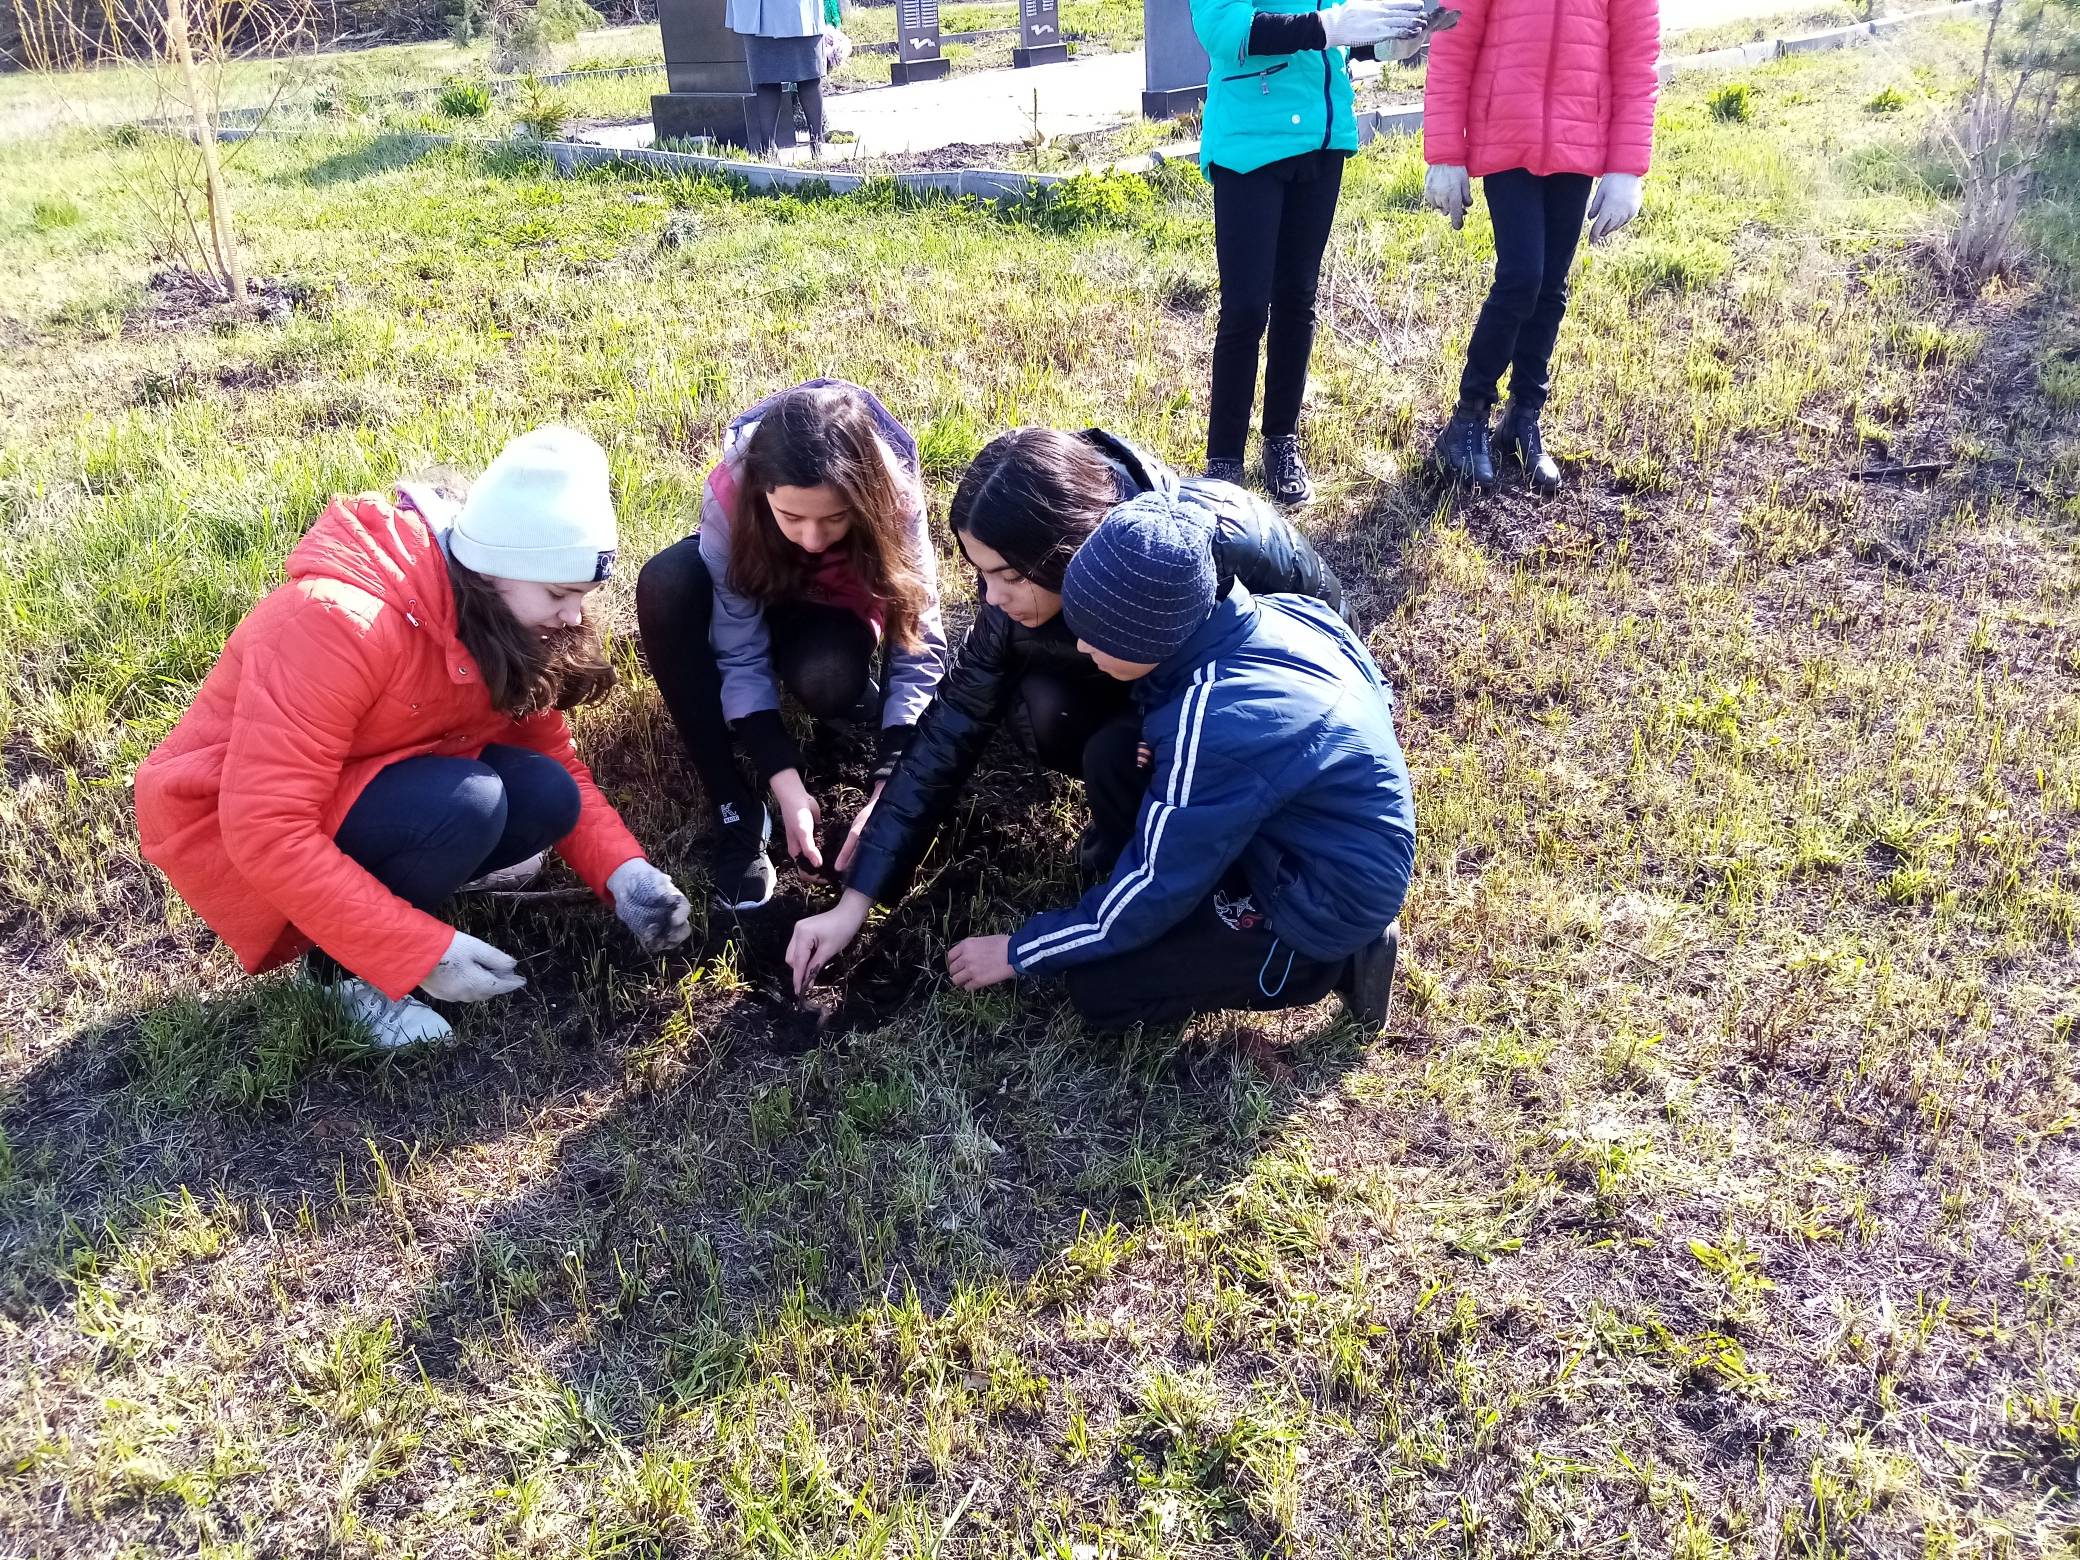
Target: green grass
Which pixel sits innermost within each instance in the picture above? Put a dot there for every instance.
(1713, 1197)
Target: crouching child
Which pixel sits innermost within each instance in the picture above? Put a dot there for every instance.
(1272, 853)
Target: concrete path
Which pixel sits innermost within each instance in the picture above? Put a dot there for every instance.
(996, 107)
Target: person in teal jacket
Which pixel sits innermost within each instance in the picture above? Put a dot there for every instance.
(1278, 125)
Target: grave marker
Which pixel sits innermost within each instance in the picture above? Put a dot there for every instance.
(1039, 34)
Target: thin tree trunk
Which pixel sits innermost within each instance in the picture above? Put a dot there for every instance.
(230, 268)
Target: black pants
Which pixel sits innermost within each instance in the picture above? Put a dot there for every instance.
(769, 102)
(1538, 223)
(1270, 228)
(823, 655)
(1089, 730)
(1222, 956)
(425, 826)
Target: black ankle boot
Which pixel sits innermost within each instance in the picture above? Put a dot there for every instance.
(1517, 438)
(1461, 451)
(1286, 476)
(1222, 469)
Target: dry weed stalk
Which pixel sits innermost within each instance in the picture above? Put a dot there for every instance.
(2028, 86)
(177, 180)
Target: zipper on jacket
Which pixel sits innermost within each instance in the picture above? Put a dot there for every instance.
(1328, 97)
(1267, 71)
(1545, 148)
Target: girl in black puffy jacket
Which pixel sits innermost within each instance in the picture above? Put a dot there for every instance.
(1023, 508)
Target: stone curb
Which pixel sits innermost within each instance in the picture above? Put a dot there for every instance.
(569, 157)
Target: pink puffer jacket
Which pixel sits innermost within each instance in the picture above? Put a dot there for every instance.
(1553, 86)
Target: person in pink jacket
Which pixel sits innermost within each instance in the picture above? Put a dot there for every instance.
(1536, 99)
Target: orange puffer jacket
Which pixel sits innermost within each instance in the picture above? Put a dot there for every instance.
(1552, 86)
(350, 666)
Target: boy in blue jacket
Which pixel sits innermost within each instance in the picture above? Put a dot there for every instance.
(1273, 849)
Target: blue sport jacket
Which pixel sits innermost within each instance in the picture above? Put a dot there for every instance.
(1273, 735)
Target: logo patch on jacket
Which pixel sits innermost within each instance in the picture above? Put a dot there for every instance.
(604, 569)
(1238, 911)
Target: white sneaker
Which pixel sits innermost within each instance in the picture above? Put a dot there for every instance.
(390, 1025)
(506, 879)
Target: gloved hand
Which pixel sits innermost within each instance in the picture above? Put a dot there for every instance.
(650, 905)
(1448, 189)
(1615, 203)
(472, 971)
(1359, 22)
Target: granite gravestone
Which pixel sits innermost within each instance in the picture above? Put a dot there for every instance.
(1174, 66)
(917, 43)
(710, 85)
(1039, 34)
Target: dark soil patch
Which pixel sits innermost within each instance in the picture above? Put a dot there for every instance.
(893, 967)
(176, 299)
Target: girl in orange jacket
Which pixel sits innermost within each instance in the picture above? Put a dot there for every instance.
(388, 727)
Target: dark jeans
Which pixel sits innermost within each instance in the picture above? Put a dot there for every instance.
(1538, 223)
(1270, 228)
(427, 825)
(823, 655)
(1090, 731)
(1202, 965)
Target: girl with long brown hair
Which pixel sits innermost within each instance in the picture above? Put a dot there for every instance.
(388, 728)
(813, 560)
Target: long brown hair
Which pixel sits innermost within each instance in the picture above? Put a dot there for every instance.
(1034, 495)
(526, 670)
(813, 435)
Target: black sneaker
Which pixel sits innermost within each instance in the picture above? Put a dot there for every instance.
(743, 874)
(1285, 474)
(1461, 451)
(1369, 988)
(1517, 438)
(1225, 471)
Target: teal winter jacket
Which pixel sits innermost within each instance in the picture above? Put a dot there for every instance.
(1264, 107)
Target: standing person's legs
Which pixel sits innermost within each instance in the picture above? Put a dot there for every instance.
(1302, 239)
(1247, 212)
(1564, 200)
(675, 603)
(1516, 206)
(810, 93)
(1219, 957)
(767, 104)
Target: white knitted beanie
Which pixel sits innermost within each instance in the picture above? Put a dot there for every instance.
(542, 511)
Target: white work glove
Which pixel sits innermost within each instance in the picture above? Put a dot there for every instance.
(1448, 189)
(472, 971)
(1356, 23)
(1615, 203)
(650, 905)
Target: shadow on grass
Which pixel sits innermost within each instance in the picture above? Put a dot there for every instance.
(384, 153)
(687, 1183)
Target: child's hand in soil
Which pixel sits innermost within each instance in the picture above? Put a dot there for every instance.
(859, 826)
(980, 961)
(818, 939)
(801, 815)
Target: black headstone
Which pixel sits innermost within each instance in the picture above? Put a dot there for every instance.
(1039, 34)
(704, 67)
(917, 43)
(1174, 77)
